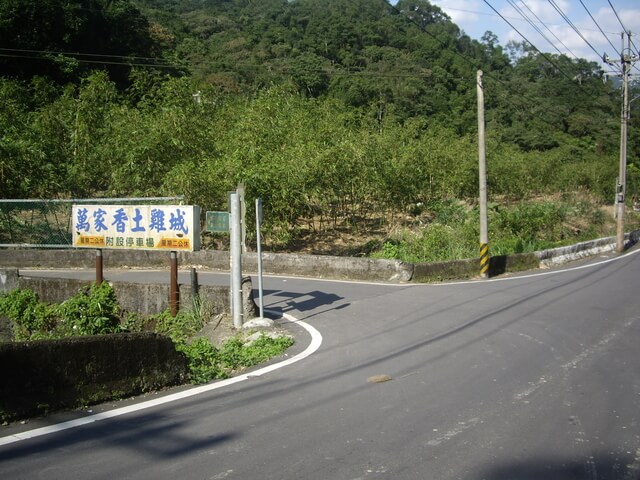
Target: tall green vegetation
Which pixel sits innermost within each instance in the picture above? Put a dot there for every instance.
(65, 39)
(338, 113)
(95, 310)
(91, 311)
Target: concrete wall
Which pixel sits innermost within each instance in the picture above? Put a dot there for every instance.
(8, 279)
(273, 263)
(133, 297)
(38, 377)
(317, 266)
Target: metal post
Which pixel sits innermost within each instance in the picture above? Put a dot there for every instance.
(194, 289)
(259, 249)
(236, 261)
(99, 267)
(173, 285)
(484, 229)
(243, 217)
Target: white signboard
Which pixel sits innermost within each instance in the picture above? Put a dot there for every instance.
(136, 227)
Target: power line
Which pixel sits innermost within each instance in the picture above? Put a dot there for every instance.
(529, 42)
(618, 17)
(80, 54)
(97, 62)
(599, 28)
(550, 31)
(532, 23)
(511, 18)
(636, 51)
(150, 62)
(424, 30)
(474, 63)
(570, 23)
(42, 55)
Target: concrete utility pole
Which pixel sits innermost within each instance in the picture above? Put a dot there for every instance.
(626, 59)
(236, 261)
(484, 229)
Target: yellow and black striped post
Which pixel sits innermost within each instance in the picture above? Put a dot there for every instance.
(484, 260)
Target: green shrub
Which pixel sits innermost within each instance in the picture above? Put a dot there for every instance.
(30, 317)
(526, 226)
(435, 242)
(206, 362)
(92, 311)
(203, 359)
(95, 310)
(532, 220)
(263, 349)
(184, 325)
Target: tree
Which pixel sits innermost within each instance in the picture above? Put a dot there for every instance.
(64, 39)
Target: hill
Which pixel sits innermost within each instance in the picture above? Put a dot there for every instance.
(343, 115)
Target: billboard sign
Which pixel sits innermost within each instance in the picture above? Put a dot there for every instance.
(136, 227)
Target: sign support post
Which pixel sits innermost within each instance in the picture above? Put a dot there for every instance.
(173, 286)
(99, 269)
(259, 248)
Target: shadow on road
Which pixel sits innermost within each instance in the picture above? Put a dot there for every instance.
(601, 467)
(152, 435)
(301, 302)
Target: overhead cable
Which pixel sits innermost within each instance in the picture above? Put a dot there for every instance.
(18, 51)
(533, 25)
(550, 31)
(529, 42)
(44, 55)
(473, 62)
(599, 28)
(575, 29)
(618, 17)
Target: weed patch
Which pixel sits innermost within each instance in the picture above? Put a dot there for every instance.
(206, 362)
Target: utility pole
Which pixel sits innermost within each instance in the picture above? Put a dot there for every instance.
(626, 59)
(236, 260)
(484, 229)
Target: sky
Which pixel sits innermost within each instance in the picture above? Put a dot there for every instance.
(475, 17)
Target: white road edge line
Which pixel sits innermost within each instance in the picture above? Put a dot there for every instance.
(316, 341)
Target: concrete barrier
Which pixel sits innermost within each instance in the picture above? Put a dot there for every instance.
(325, 266)
(140, 298)
(38, 377)
(317, 266)
(441, 271)
(346, 268)
(560, 255)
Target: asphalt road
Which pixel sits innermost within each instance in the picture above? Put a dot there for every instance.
(521, 378)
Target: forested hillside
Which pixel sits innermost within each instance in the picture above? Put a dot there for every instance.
(350, 118)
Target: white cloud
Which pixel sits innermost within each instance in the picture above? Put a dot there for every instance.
(462, 12)
(475, 17)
